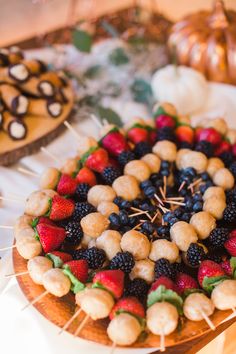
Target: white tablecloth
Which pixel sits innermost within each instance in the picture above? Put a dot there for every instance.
(27, 332)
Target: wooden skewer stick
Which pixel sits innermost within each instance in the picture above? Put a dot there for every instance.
(35, 300)
(162, 193)
(7, 248)
(137, 226)
(155, 216)
(28, 172)
(162, 342)
(66, 325)
(113, 347)
(175, 198)
(12, 199)
(181, 186)
(199, 180)
(164, 187)
(96, 121)
(139, 213)
(158, 199)
(16, 274)
(6, 227)
(208, 321)
(82, 324)
(48, 153)
(174, 202)
(72, 130)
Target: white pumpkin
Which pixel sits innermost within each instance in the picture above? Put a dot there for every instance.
(184, 87)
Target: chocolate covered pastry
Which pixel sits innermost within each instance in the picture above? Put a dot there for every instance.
(15, 73)
(14, 126)
(45, 108)
(15, 55)
(39, 88)
(13, 99)
(35, 66)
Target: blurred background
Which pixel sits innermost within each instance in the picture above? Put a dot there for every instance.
(24, 19)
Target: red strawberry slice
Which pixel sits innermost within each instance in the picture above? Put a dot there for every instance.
(138, 134)
(185, 133)
(166, 282)
(78, 268)
(223, 147)
(210, 135)
(97, 160)
(185, 282)
(111, 280)
(66, 185)
(198, 131)
(164, 120)
(61, 208)
(210, 274)
(45, 220)
(51, 237)
(229, 266)
(230, 245)
(234, 149)
(152, 136)
(232, 233)
(85, 175)
(58, 258)
(115, 143)
(128, 304)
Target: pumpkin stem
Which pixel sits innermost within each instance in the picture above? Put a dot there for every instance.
(174, 59)
(218, 19)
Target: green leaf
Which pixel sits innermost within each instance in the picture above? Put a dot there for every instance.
(233, 266)
(82, 40)
(34, 222)
(36, 235)
(141, 320)
(111, 30)
(57, 262)
(142, 91)
(118, 57)
(110, 115)
(93, 71)
(98, 285)
(76, 285)
(209, 283)
(163, 294)
(49, 207)
(86, 154)
(160, 110)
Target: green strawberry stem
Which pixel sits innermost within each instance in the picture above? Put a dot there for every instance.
(162, 294)
(87, 154)
(76, 285)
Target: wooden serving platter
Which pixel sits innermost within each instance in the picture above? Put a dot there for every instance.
(41, 131)
(60, 310)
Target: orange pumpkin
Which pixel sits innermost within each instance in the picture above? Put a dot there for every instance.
(206, 41)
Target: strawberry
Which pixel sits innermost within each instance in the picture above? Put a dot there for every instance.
(229, 266)
(210, 274)
(45, 220)
(114, 142)
(97, 160)
(198, 131)
(66, 185)
(59, 258)
(166, 282)
(230, 245)
(85, 175)
(51, 237)
(232, 233)
(211, 135)
(223, 147)
(61, 208)
(185, 133)
(128, 304)
(78, 268)
(163, 121)
(138, 134)
(184, 283)
(234, 150)
(152, 136)
(111, 280)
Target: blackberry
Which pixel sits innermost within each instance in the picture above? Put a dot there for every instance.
(82, 209)
(231, 196)
(110, 173)
(123, 261)
(229, 214)
(179, 267)
(185, 145)
(233, 168)
(195, 254)
(164, 267)
(138, 288)
(82, 191)
(218, 237)
(95, 257)
(74, 233)
(125, 157)
(142, 149)
(79, 254)
(205, 147)
(227, 157)
(166, 133)
(214, 256)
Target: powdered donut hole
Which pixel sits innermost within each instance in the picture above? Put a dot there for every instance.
(166, 150)
(194, 159)
(214, 164)
(179, 156)
(106, 208)
(136, 243)
(143, 269)
(203, 223)
(215, 206)
(126, 187)
(164, 249)
(224, 178)
(153, 162)
(100, 193)
(183, 234)
(94, 224)
(214, 191)
(138, 169)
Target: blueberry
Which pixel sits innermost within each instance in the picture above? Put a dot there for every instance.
(114, 220)
(150, 191)
(125, 204)
(167, 216)
(145, 184)
(163, 231)
(118, 201)
(133, 221)
(205, 176)
(197, 206)
(183, 192)
(124, 229)
(203, 188)
(178, 212)
(189, 204)
(209, 184)
(186, 217)
(124, 218)
(148, 227)
(136, 202)
(165, 165)
(197, 197)
(173, 220)
(147, 207)
(158, 183)
(154, 177)
(191, 171)
(165, 172)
